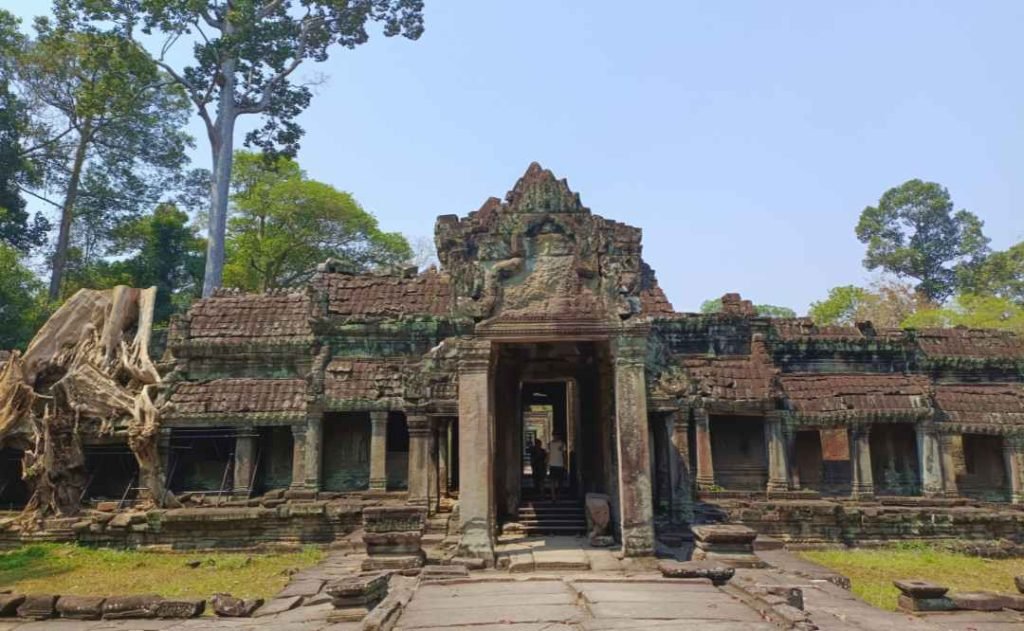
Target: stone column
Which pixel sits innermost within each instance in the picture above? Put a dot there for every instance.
(298, 456)
(863, 486)
(789, 435)
(245, 461)
(702, 434)
(433, 483)
(314, 443)
(163, 448)
(682, 480)
(476, 451)
(443, 436)
(778, 454)
(1013, 457)
(947, 456)
(378, 450)
(929, 460)
(636, 509)
(419, 457)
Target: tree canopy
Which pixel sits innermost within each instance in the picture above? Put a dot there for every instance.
(244, 55)
(714, 305)
(914, 232)
(284, 224)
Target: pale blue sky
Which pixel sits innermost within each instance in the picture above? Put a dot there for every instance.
(744, 138)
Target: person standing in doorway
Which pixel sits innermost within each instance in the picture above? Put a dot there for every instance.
(538, 466)
(556, 465)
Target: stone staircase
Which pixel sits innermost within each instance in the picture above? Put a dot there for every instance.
(563, 517)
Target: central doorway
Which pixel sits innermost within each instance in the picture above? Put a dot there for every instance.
(546, 388)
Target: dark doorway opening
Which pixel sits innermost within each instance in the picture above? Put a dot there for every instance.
(739, 452)
(545, 416)
(346, 451)
(202, 460)
(274, 464)
(397, 463)
(894, 459)
(14, 493)
(984, 475)
(112, 472)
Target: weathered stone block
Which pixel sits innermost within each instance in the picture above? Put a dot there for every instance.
(392, 542)
(180, 608)
(38, 606)
(393, 562)
(725, 534)
(435, 573)
(227, 606)
(9, 604)
(599, 514)
(916, 588)
(393, 518)
(909, 603)
(126, 607)
(979, 601)
(80, 607)
(717, 573)
(353, 586)
(1019, 582)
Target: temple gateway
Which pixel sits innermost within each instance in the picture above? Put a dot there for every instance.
(542, 321)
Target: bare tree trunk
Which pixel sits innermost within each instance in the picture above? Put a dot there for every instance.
(60, 256)
(222, 145)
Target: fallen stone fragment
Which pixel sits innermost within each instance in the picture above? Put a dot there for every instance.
(1019, 582)
(979, 601)
(127, 607)
(278, 605)
(916, 588)
(435, 573)
(80, 607)
(9, 604)
(469, 563)
(184, 608)
(38, 606)
(227, 606)
(725, 533)
(717, 573)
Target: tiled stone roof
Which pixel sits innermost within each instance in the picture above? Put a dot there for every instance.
(654, 302)
(981, 404)
(970, 343)
(729, 378)
(232, 317)
(891, 395)
(426, 294)
(239, 397)
(359, 379)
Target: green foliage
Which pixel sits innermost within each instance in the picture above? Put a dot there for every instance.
(998, 274)
(973, 311)
(841, 306)
(285, 224)
(22, 303)
(160, 249)
(765, 311)
(914, 232)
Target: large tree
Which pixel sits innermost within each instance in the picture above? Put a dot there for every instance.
(285, 224)
(914, 232)
(21, 304)
(16, 170)
(245, 54)
(999, 274)
(886, 303)
(99, 105)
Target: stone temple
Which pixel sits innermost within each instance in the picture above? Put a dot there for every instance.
(544, 319)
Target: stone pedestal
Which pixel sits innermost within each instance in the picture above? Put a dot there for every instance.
(731, 544)
(917, 595)
(705, 467)
(419, 458)
(636, 505)
(392, 536)
(863, 486)
(778, 454)
(298, 456)
(476, 451)
(378, 450)
(355, 596)
(930, 461)
(245, 461)
(681, 470)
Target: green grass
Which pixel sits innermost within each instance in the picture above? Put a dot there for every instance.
(871, 572)
(71, 569)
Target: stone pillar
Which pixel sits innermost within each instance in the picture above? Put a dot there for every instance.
(419, 457)
(682, 480)
(314, 443)
(443, 437)
(433, 483)
(789, 435)
(298, 456)
(378, 450)
(476, 451)
(163, 448)
(245, 461)
(929, 460)
(1013, 457)
(702, 434)
(863, 486)
(636, 506)
(947, 455)
(778, 454)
